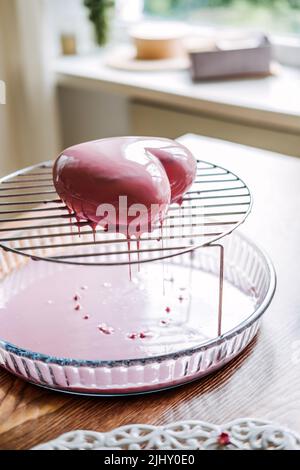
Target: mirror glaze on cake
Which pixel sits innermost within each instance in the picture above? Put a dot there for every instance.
(147, 171)
(179, 164)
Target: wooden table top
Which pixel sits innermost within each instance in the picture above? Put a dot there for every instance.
(264, 382)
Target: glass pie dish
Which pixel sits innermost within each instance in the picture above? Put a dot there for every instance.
(94, 331)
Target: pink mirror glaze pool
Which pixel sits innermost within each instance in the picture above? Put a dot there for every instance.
(93, 313)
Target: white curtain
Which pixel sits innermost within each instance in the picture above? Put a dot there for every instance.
(28, 122)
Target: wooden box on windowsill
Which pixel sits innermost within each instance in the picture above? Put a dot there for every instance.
(220, 63)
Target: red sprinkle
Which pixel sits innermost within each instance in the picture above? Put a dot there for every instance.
(133, 336)
(168, 310)
(78, 307)
(107, 330)
(86, 317)
(76, 297)
(145, 334)
(224, 439)
(142, 335)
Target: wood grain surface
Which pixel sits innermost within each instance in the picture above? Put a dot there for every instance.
(264, 382)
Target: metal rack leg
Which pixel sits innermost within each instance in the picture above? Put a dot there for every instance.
(220, 308)
(221, 284)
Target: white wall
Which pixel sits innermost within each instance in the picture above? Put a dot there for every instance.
(89, 115)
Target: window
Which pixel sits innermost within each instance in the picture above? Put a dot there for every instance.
(279, 18)
(273, 16)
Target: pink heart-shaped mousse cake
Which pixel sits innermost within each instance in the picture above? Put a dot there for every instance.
(124, 183)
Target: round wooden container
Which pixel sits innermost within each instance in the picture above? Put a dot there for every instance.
(159, 40)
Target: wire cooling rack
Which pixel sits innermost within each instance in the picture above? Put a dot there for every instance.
(34, 222)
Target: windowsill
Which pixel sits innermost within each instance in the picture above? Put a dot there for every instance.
(273, 102)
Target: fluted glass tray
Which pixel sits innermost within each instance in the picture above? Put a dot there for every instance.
(155, 331)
